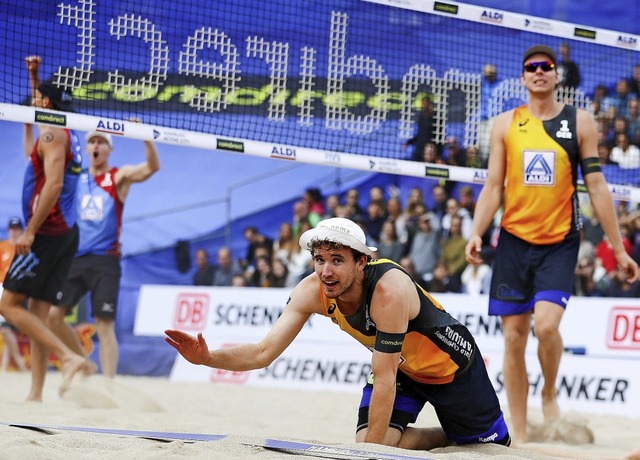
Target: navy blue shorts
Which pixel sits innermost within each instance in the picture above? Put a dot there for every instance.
(42, 273)
(99, 274)
(467, 408)
(524, 273)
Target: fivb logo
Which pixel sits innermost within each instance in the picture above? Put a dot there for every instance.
(539, 167)
(192, 311)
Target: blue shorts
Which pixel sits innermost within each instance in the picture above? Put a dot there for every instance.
(467, 408)
(524, 273)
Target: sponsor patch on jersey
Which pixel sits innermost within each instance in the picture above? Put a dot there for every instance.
(539, 167)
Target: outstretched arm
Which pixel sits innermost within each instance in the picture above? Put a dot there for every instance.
(33, 66)
(130, 174)
(253, 355)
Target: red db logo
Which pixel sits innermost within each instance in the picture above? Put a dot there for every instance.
(192, 311)
(624, 328)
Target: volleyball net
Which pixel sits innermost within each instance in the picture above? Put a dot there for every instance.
(332, 82)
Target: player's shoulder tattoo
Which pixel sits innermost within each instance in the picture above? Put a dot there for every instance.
(48, 137)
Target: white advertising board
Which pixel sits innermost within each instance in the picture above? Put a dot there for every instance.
(601, 374)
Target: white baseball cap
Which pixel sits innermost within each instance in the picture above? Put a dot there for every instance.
(107, 137)
(339, 230)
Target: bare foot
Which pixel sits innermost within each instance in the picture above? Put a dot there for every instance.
(90, 369)
(70, 368)
(634, 455)
(550, 408)
(34, 398)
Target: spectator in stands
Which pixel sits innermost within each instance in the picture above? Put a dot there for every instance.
(618, 284)
(439, 196)
(44, 251)
(601, 97)
(10, 349)
(374, 219)
(467, 199)
(331, 204)
(263, 274)
(395, 214)
(440, 281)
(472, 158)
(298, 261)
(634, 81)
(377, 194)
(620, 126)
(620, 100)
(431, 154)
(624, 153)
(453, 152)
(538, 219)
(255, 239)
(633, 116)
(568, 70)
(301, 214)
(424, 249)
(315, 201)
(455, 209)
(285, 243)
(389, 247)
(586, 284)
(226, 268)
(352, 204)
(604, 154)
(280, 273)
(453, 253)
(239, 280)
(592, 231)
(424, 130)
(406, 263)
(476, 279)
(203, 275)
(605, 252)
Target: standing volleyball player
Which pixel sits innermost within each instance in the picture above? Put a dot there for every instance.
(101, 194)
(536, 150)
(44, 251)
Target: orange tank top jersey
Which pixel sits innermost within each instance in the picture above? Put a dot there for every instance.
(540, 196)
(436, 347)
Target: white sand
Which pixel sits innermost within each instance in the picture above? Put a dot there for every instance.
(247, 415)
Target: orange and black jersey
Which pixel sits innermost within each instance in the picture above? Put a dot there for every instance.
(436, 347)
(540, 196)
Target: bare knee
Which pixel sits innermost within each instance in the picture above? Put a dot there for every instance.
(545, 332)
(56, 316)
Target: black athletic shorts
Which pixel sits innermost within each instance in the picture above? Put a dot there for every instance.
(467, 408)
(42, 273)
(101, 276)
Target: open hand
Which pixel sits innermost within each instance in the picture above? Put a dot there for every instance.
(193, 349)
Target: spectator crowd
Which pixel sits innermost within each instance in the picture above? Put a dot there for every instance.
(426, 236)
